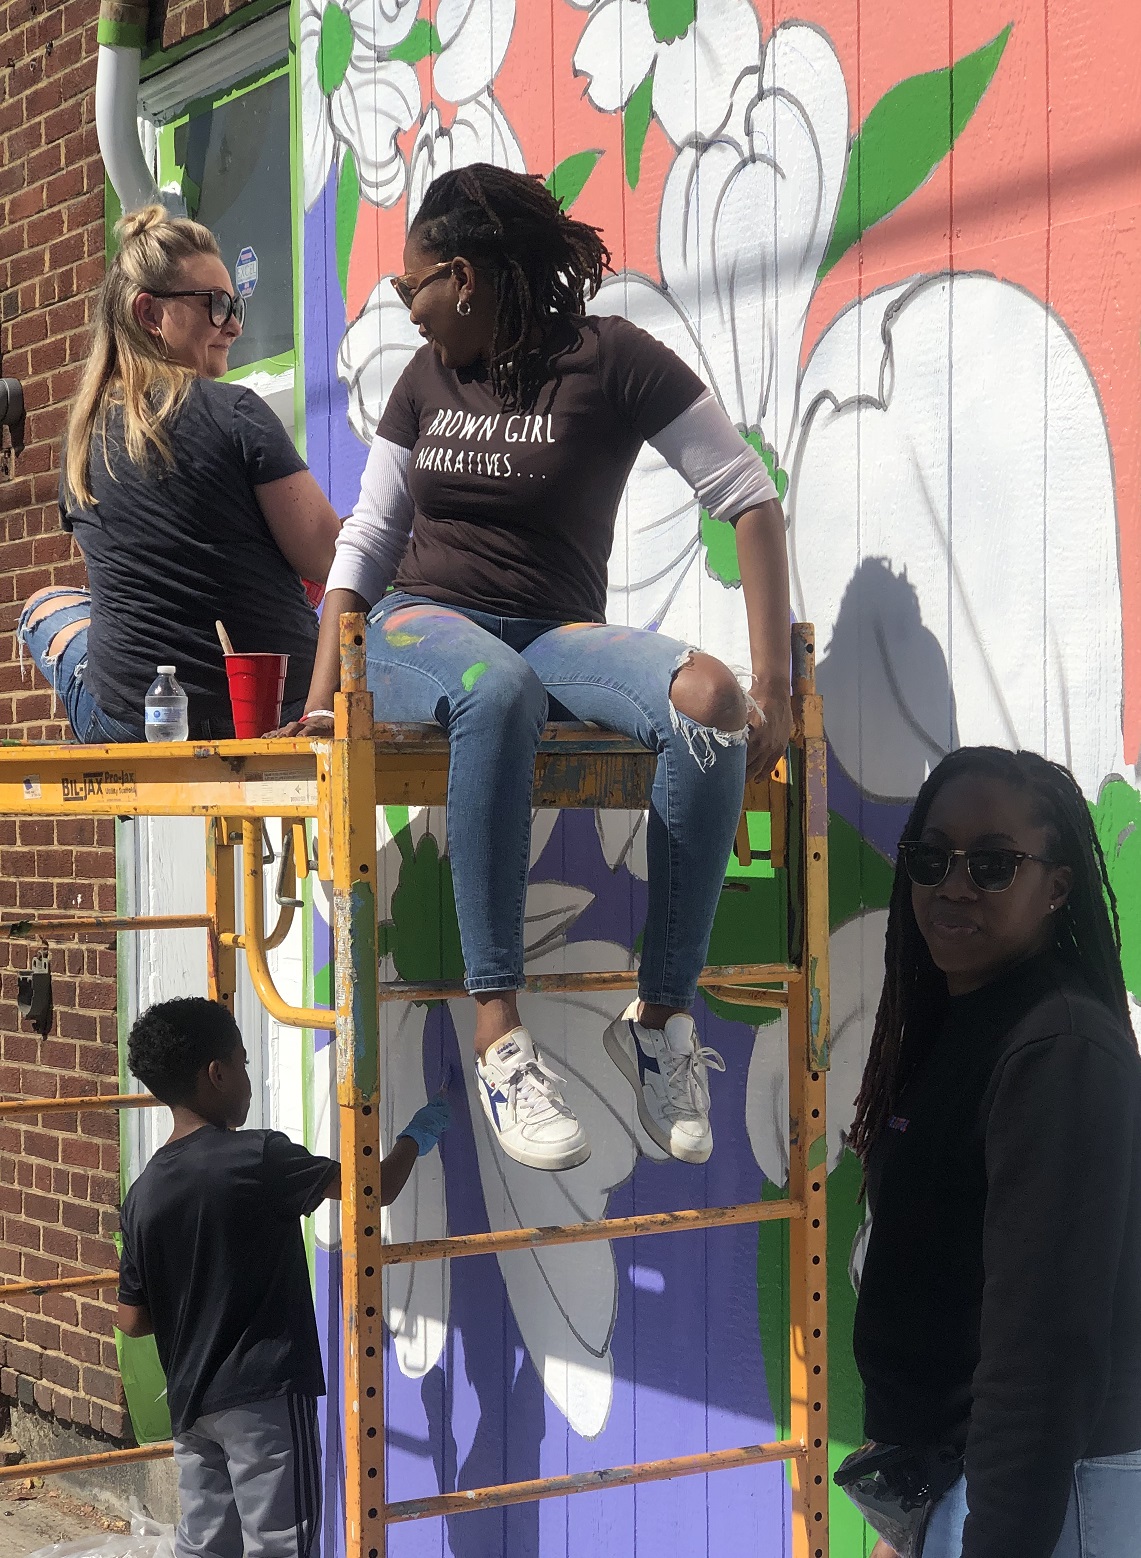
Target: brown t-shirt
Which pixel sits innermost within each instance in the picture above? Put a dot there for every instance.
(514, 513)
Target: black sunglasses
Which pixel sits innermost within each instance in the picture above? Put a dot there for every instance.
(991, 870)
(223, 306)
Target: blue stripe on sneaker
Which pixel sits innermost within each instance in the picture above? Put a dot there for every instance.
(494, 1097)
(645, 1062)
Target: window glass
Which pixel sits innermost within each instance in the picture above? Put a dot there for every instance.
(233, 157)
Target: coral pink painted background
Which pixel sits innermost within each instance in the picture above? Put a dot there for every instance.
(1041, 188)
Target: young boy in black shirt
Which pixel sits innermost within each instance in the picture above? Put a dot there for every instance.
(214, 1264)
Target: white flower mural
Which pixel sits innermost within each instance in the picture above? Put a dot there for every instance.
(686, 53)
(478, 133)
(373, 354)
(354, 95)
(968, 399)
(940, 439)
(474, 35)
(914, 643)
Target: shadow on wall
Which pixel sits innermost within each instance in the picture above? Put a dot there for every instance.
(889, 707)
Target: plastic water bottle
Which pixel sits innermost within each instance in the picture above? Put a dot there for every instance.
(166, 708)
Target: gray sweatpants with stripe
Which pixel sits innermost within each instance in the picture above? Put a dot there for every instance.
(249, 1481)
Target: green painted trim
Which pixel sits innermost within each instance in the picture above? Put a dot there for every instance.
(169, 169)
(297, 172)
(160, 59)
(121, 35)
(211, 100)
(144, 1383)
(284, 362)
(112, 211)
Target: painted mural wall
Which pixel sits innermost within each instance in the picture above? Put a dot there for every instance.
(901, 244)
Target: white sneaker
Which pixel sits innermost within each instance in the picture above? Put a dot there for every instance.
(524, 1107)
(669, 1072)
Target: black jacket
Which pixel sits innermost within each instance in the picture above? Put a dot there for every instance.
(1000, 1301)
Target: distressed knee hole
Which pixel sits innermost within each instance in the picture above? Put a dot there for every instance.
(44, 602)
(707, 692)
(64, 637)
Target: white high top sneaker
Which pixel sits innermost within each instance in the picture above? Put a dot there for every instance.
(669, 1072)
(527, 1113)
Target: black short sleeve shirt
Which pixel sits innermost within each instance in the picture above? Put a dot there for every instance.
(170, 549)
(212, 1247)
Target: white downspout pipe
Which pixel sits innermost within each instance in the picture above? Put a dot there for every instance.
(121, 36)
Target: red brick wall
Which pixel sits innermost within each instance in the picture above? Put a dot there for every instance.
(59, 1177)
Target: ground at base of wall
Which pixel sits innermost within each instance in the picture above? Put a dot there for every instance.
(149, 1487)
(36, 1516)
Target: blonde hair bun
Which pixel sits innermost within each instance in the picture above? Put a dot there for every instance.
(133, 223)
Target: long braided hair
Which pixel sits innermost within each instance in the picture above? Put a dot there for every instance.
(545, 265)
(1086, 930)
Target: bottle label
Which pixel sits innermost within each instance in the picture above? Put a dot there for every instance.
(166, 716)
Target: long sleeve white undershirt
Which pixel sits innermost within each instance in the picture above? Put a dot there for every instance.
(702, 445)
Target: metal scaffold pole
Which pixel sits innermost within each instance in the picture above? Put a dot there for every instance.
(808, 1141)
(235, 786)
(352, 803)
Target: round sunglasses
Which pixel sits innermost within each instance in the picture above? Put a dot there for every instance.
(991, 870)
(223, 305)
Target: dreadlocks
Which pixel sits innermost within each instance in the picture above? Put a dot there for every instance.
(914, 997)
(545, 265)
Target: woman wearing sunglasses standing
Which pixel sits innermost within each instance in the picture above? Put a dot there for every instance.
(188, 500)
(489, 499)
(998, 1326)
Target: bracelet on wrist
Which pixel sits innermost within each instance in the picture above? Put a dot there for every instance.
(317, 714)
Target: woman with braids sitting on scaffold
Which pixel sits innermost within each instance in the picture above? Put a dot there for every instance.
(998, 1325)
(489, 500)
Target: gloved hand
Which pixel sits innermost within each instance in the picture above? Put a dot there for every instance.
(428, 1124)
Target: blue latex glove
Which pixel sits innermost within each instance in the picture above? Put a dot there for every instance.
(428, 1124)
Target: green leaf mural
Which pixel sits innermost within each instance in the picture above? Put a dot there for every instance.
(1117, 817)
(635, 124)
(671, 19)
(905, 138)
(423, 936)
(347, 211)
(568, 179)
(422, 40)
(718, 536)
(334, 48)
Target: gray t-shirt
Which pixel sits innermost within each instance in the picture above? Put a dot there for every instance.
(171, 549)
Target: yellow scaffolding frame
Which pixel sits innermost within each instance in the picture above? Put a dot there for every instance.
(235, 786)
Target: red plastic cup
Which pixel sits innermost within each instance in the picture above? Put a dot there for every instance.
(257, 685)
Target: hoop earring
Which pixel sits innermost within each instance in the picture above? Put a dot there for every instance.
(463, 307)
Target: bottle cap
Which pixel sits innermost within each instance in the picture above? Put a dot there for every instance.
(166, 670)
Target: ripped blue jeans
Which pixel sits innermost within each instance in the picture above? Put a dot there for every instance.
(55, 610)
(492, 683)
